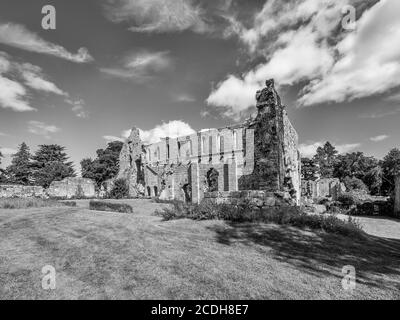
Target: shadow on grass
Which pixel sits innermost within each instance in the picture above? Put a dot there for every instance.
(320, 254)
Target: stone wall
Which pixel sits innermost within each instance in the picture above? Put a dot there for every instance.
(323, 188)
(18, 191)
(72, 188)
(260, 199)
(397, 197)
(276, 158)
(260, 154)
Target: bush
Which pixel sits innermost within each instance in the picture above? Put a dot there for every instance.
(355, 184)
(112, 207)
(120, 190)
(69, 203)
(348, 200)
(292, 216)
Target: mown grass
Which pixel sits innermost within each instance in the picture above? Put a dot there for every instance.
(24, 203)
(98, 255)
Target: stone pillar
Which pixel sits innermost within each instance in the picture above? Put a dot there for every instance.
(195, 180)
(397, 197)
(233, 180)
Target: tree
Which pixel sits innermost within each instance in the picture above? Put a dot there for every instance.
(391, 168)
(374, 180)
(326, 158)
(105, 166)
(50, 163)
(20, 170)
(355, 184)
(357, 165)
(309, 169)
(120, 189)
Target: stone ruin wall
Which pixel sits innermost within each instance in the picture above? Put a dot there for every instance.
(67, 188)
(258, 155)
(72, 188)
(322, 188)
(19, 191)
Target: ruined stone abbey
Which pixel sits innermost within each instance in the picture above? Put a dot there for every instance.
(257, 159)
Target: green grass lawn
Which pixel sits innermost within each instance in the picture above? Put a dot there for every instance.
(103, 255)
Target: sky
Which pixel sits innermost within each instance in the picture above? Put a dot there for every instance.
(174, 67)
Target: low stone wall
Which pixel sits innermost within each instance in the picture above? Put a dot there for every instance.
(18, 191)
(72, 188)
(397, 197)
(254, 198)
(322, 188)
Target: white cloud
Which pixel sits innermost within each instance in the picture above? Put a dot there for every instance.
(233, 96)
(394, 97)
(7, 151)
(379, 138)
(344, 148)
(41, 128)
(308, 150)
(78, 108)
(157, 16)
(141, 66)
(13, 95)
(16, 35)
(113, 138)
(184, 98)
(172, 129)
(369, 59)
(303, 42)
(35, 79)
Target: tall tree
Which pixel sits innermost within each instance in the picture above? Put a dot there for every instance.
(326, 158)
(354, 164)
(391, 168)
(105, 166)
(309, 169)
(50, 163)
(20, 170)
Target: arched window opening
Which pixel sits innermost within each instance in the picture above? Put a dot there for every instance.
(235, 144)
(212, 180)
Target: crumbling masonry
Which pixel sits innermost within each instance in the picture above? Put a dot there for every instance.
(257, 160)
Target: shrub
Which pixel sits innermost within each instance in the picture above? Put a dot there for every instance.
(112, 207)
(292, 216)
(69, 203)
(120, 189)
(348, 200)
(353, 183)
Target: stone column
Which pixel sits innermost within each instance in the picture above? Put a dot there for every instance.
(233, 180)
(195, 180)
